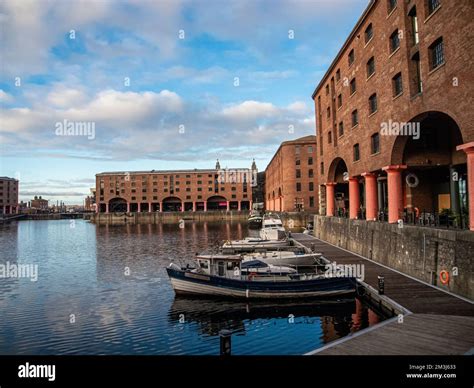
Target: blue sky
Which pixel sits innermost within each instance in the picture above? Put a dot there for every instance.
(166, 84)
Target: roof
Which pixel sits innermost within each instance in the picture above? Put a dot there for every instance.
(196, 170)
(310, 139)
(344, 46)
(5, 178)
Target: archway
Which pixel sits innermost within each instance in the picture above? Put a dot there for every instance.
(117, 205)
(338, 173)
(435, 181)
(172, 204)
(216, 202)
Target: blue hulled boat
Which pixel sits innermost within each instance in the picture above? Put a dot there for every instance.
(222, 275)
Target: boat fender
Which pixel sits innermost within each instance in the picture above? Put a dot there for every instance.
(444, 277)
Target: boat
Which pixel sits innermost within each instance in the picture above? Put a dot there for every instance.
(272, 228)
(255, 220)
(251, 244)
(221, 275)
(291, 258)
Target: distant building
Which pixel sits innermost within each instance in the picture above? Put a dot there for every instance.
(290, 177)
(89, 202)
(174, 190)
(9, 195)
(39, 203)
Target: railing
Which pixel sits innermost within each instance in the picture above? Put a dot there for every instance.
(446, 220)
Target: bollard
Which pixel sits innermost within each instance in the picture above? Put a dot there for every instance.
(381, 280)
(226, 342)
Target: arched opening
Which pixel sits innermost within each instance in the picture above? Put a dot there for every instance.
(172, 204)
(339, 174)
(435, 181)
(216, 202)
(117, 205)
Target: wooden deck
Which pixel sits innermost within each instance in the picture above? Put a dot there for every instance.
(437, 322)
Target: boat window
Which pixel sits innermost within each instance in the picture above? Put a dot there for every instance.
(204, 264)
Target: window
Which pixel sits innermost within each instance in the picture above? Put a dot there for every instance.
(298, 186)
(353, 86)
(341, 128)
(351, 57)
(188, 189)
(310, 161)
(297, 162)
(188, 197)
(369, 33)
(433, 6)
(417, 84)
(373, 103)
(321, 169)
(397, 84)
(414, 26)
(311, 186)
(329, 137)
(310, 149)
(375, 143)
(328, 112)
(298, 173)
(370, 67)
(394, 41)
(356, 152)
(355, 118)
(436, 53)
(327, 90)
(338, 74)
(310, 173)
(311, 201)
(297, 150)
(339, 100)
(391, 5)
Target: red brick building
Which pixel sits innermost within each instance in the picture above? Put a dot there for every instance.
(290, 177)
(179, 190)
(405, 62)
(9, 195)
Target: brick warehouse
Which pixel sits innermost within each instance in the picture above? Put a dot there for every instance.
(179, 190)
(8, 195)
(404, 62)
(289, 177)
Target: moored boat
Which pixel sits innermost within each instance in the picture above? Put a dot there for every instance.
(250, 244)
(255, 220)
(221, 275)
(272, 228)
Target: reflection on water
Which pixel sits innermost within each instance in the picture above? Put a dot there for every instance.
(104, 290)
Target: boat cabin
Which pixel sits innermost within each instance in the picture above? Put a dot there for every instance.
(228, 266)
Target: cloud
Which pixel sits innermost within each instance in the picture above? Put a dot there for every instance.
(5, 97)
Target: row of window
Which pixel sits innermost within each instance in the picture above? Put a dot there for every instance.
(310, 186)
(298, 161)
(310, 173)
(309, 149)
(155, 198)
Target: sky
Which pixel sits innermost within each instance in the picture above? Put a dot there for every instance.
(88, 86)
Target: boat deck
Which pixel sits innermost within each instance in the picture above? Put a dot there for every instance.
(437, 322)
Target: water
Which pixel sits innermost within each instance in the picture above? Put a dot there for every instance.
(104, 290)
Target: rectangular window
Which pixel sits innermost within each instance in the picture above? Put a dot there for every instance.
(351, 57)
(394, 41)
(356, 152)
(321, 169)
(414, 26)
(338, 74)
(341, 128)
(328, 112)
(310, 173)
(329, 137)
(310, 161)
(355, 118)
(310, 149)
(298, 162)
(437, 53)
(298, 173)
(298, 186)
(433, 6)
(369, 33)
(297, 150)
(375, 143)
(397, 84)
(373, 103)
(353, 85)
(311, 201)
(311, 186)
(339, 100)
(391, 5)
(418, 86)
(370, 67)
(327, 90)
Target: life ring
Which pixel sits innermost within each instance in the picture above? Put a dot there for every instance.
(444, 277)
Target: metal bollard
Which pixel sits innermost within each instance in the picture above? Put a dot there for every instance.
(381, 282)
(226, 342)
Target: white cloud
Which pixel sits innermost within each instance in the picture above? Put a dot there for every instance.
(5, 97)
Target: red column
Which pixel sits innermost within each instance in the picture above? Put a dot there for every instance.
(182, 206)
(371, 206)
(354, 198)
(106, 207)
(468, 148)
(250, 204)
(149, 207)
(330, 199)
(205, 206)
(238, 206)
(194, 206)
(228, 205)
(139, 209)
(161, 207)
(128, 207)
(395, 197)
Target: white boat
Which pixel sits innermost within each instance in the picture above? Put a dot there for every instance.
(272, 228)
(250, 244)
(291, 258)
